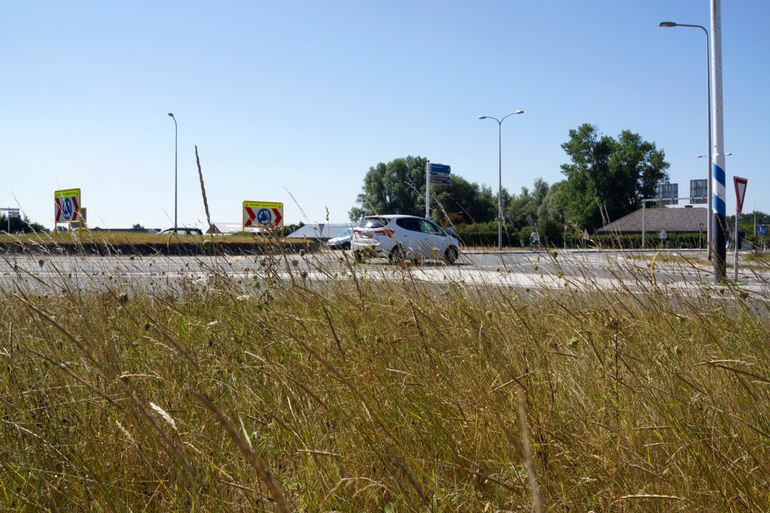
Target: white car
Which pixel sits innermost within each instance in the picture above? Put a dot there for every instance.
(400, 237)
(341, 241)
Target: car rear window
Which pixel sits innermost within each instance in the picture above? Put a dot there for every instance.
(409, 223)
(372, 222)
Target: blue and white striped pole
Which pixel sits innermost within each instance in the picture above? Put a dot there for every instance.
(718, 198)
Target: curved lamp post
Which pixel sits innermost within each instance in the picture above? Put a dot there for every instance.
(176, 139)
(500, 173)
(710, 221)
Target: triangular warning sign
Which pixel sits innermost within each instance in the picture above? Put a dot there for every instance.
(740, 192)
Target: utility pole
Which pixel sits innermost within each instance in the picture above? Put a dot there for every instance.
(718, 199)
(427, 189)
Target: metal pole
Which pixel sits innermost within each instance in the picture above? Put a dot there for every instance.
(718, 198)
(736, 238)
(710, 220)
(565, 236)
(644, 204)
(500, 173)
(709, 224)
(500, 185)
(176, 141)
(176, 175)
(427, 189)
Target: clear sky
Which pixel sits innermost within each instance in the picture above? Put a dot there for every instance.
(302, 97)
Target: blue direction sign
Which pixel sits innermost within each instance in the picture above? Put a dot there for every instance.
(440, 179)
(440, 168)
(439, 174)
(762, 229)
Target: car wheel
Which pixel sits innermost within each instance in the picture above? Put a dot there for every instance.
(397, 254)
(450, 255)
(346, 245)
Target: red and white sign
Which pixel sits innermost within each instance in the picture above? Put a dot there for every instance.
(740, 192)
(262, 214)
(67, 206)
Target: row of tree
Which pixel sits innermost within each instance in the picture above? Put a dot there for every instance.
(20, 225)
(606, 178)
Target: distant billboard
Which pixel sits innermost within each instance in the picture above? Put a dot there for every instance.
(699, 191)
(668, 193)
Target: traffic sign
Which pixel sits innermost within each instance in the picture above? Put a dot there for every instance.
(740, 192)
(67, 205)
(762, 229)
(439, 179)
(439, 174)
(440, 168)
(262, 214)
(662, 234)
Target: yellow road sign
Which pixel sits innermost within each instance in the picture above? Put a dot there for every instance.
(67, 205)
(262, 214)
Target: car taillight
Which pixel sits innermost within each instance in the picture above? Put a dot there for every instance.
(389, 233)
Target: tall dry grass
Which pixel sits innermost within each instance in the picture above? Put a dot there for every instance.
(363, 394)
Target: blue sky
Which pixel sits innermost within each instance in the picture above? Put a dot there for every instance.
(302, 97)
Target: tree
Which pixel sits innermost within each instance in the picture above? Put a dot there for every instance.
(463, 202)
(608, 176)
(522, 210)
(21, 225)
(398, 187)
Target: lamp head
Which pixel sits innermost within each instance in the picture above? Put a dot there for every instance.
(482, 117)
(667, 24)
(171, 114)
(519, 112)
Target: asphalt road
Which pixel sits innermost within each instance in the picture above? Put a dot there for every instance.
(585, 270)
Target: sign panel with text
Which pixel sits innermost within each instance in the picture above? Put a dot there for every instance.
(262, 214)
(67, 205)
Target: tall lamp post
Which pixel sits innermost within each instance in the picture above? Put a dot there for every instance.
(176, 140)
(500, 174)
(710, 220)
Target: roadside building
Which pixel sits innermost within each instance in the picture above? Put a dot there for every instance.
(671, 220)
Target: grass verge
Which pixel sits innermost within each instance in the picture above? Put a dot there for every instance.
(364, 395)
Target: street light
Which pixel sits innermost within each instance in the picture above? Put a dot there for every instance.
(500, 174)
(710, 220)
(176, 140)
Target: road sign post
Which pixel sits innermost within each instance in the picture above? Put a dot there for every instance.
(263, 214)
(718, 187)
(67, 203)
(740, 194)
(438, 174)
(10, 213)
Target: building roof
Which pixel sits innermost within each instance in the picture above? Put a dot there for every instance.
(225, 227)
(323, 231)
(656, 219)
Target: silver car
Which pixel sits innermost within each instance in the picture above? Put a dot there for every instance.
(401, 237)
(341, 241)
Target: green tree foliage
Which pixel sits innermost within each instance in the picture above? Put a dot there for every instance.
(398, 187)
(607, 175)
(522, 210)
(463, 202)
(21, 225)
